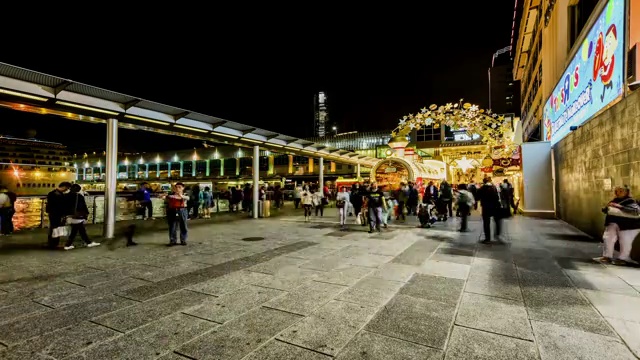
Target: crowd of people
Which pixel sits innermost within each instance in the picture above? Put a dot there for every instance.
(369, 204)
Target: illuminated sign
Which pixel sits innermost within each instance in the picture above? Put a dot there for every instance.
(593, 79)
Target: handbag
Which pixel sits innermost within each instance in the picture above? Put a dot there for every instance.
(61, 231)
(340, 204)
(613, 211)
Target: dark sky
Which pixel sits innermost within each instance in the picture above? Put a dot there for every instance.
(263, 70)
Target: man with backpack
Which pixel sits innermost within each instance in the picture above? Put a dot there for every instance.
(491, 208)
(446, 196)
(464, 203)
(177, 214)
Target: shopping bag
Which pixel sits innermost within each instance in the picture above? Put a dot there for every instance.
(359, 218)
(61, 231)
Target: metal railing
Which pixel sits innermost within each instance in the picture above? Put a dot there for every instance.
(30, 211)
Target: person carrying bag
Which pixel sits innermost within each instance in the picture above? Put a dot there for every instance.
(77, 219)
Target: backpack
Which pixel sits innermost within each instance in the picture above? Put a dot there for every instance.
(463, 198)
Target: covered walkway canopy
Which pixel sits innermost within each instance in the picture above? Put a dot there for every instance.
(27, 90)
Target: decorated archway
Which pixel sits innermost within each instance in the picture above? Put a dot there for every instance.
(390, 172)
(493, 129)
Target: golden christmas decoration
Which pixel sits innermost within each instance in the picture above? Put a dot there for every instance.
(493, 129)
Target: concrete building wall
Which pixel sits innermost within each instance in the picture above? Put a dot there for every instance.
(605, 150)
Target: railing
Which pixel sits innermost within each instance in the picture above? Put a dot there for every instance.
(30, 212)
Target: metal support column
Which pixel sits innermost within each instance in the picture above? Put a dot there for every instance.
(256, 179)
(358, 171)
(111, 170)
(321, 176)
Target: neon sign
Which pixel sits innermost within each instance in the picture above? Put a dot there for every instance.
(593, 79)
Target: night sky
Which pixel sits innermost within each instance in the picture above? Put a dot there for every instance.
(264, 70)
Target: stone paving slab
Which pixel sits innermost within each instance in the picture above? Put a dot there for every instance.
(495, 315)
(329, 328)
(473, 344)
(149, 341)
(416, 320)
(166, 286)
(86, 294)
(306, 298)
(135, 316)
(367, 345)
(417, 253)
(371, 291)
(347, 275)
(23, 329)
(233, 304)
(239, 337)
(278, 350)
(436, 288)
(76, 338)
(416, 293)
(18, 310)
(556, 342)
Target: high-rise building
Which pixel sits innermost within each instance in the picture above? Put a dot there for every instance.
(321, 115)
(504, 91)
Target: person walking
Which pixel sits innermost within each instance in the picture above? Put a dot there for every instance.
(342, 203)
(491, 208)
(465, 202)
(307, 201)
(56, 208)
(375, 203)
(77, 219)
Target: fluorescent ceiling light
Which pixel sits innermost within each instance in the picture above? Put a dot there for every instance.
(225, 135)
(274, 145)
(147, 120)
(27, 96)
(64, 103)
(191, 128)
(252, 140)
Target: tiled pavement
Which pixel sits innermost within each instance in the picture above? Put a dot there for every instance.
(308, 291)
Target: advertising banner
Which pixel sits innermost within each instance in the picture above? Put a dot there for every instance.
(593, 79)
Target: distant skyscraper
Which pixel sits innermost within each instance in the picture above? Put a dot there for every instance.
(321, 114)
(504, 91)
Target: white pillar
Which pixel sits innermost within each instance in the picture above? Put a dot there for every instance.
(111, 177)
(321, 177)
(358, 171)
(256, 179)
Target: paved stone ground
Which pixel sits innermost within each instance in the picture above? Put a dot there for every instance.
(308, 291)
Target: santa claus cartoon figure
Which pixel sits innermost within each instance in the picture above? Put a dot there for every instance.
(604, 59)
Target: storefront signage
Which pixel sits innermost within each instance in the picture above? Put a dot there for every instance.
(593, 79)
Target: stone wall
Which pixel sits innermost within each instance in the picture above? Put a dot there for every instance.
(606, 147)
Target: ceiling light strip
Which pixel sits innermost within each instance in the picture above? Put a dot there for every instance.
(26, 96)
(64, 103)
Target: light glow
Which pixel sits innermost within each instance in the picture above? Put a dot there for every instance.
(190, 128)
(64, 103)
(147, 120)
(26, 96)
(225, 135)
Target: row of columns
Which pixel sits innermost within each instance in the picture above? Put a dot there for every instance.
(270, 170)
(111, 178)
